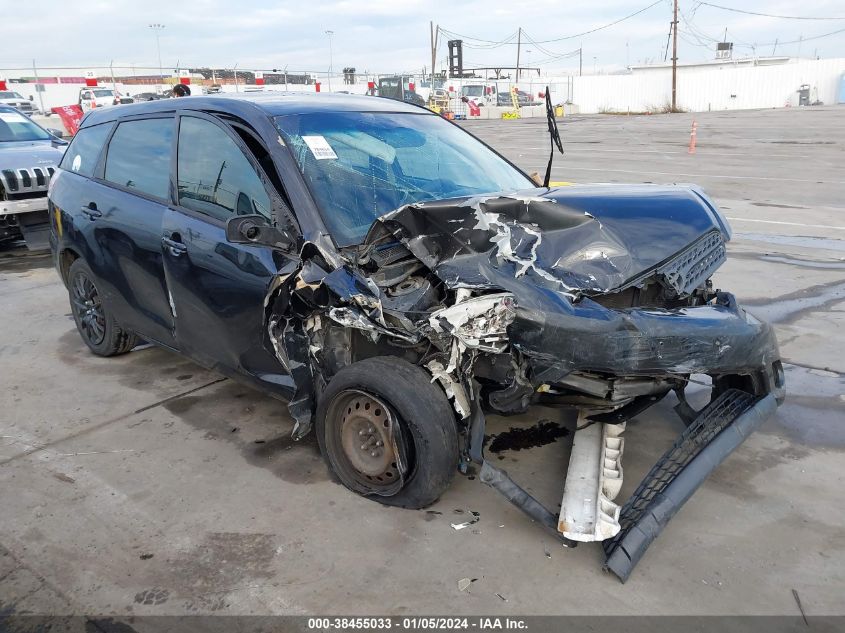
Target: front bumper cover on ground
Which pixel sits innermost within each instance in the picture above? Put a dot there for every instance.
(719, 430)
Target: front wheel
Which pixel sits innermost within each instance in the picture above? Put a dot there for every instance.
(386, 431)
(96, 326)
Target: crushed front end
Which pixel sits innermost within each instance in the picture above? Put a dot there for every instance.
(597, 298)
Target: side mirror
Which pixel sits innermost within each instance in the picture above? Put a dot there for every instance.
(55, 132)
(256, 229)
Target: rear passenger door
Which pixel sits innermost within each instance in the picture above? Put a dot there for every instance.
(125, 205)
(218, 287)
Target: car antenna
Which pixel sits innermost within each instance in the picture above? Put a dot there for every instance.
(554, 136)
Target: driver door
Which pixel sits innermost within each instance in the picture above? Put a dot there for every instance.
(219, 288)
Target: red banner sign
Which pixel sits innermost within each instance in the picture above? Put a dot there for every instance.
(71, 116)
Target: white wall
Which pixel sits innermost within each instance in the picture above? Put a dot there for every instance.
(702, 88)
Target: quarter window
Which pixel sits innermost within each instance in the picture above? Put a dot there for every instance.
(214, 176)
(139, 156)
(84, 151)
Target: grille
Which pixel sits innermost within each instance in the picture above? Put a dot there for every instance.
(695, 265)
(718, 415)
(22, 181)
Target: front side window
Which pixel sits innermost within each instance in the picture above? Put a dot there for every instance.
(138, 156)
(214, 176)
(361, 165)
(84, 151)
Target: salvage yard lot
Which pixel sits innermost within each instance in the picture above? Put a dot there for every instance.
(145, 484)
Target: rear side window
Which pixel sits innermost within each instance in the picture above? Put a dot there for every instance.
(139, 156)
(84, 151)
(214, 176)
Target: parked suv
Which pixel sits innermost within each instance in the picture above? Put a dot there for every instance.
(395, 279)
(17, 101)
(29, 155)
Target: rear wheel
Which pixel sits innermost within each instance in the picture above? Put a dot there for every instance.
(96, 326)
(386, 431)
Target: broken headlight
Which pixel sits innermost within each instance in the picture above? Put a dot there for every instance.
(479, 323)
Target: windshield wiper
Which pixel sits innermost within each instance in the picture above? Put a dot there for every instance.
(554, 136)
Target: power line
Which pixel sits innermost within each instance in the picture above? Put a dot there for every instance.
(507, 41)
(605, 26)
(765, 15)
(449, 33)
(803, 39)
(543, 49)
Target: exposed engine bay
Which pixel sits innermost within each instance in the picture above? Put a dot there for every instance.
(597, 297)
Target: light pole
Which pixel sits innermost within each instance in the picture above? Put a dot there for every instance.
(330, 33)
(157, 29)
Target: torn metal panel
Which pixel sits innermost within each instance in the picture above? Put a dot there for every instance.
(570, 240)
(480, 323)
(454, 390)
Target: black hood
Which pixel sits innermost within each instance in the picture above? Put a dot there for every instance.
(578, 240)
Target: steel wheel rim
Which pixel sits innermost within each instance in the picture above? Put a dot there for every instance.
(365, 443)
(88, 309)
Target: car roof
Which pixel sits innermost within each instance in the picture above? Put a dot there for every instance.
(268, 103)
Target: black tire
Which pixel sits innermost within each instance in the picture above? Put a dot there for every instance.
(427, 430)
(98, 329)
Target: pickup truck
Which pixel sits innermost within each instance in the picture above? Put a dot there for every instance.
(16, 100)
(29, 155)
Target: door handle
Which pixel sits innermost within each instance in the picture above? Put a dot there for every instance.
(174, 245)
(91, 211)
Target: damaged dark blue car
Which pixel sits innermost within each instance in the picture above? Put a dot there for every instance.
(394, 279)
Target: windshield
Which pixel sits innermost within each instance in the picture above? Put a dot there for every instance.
(16, 127)
(103, 93)
(360, 165)
(8, 94)
(473, 91)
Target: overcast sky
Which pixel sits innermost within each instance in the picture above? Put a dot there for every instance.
(393, 35)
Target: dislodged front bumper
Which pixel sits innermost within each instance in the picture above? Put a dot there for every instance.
(719, 430)
(720, 339)
(716, 339)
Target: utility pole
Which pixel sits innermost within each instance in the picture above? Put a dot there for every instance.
(40, 92)
(675, 56)
(518, 47)
(331, 63)
(435, 34)
(580, 59)
(157, 28)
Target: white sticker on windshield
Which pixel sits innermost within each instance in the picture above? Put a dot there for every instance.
(12, 117)
(320, 147)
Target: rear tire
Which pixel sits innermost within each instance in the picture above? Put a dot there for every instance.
(98, 329)
(376, 410)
